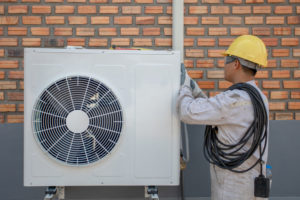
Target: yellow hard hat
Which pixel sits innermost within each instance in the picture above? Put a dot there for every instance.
(249, 47)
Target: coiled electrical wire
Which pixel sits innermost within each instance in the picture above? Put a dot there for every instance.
(228, 156)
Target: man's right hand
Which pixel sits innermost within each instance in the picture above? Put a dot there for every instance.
(185, 78)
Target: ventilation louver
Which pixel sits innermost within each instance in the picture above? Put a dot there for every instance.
(77, 120)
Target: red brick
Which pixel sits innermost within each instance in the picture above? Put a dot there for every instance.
(41, 9)
(7, 107)
(143, 1)
(167, 31)
(283, 10)
(9, 20)
(95, 42)
(297, 31)
(291, 84)
(188, 42)
(151, 31)
(295, 94)
(225, 41)
(75, 41)
(31, 42)
(133, 10)
(262, 9)
(31, 19)
(232, 20)
(262, 74)
(76, 1)
(210, 1)
(8, 42)
(276, 1)
(277, 105)
(270, 41)
(206, 42)
(17, 9)
(130, 31)
(1, 52)
(294, 105)
(261, 31)
(86, 9)
(233, 1)
(297, 116)
(8, 85)
(220, 10)
(194, 53)
(77, 20)
(55, 20)
(221, 63)
(284, 116)
(165, 20)
(9, 64)
(280, 52)
(271, 84)
(1, 95)
(294, 1)
(195, 31)
(190, 1)
(21, 85)
(2, 9)
(205, 63)
(279, 94)
(224, 84)
(281, 74)
(16, 75)
(104, 1)
(241, 9)
(210, 20)
(85, 31)
(100, 20)
(63, 31)
(64, 9)
(297, 74)
(216, 53)
(142, 42)
(217, 31)
(198, 10)
(169, 10)
(40, 31)
(189, 63)
(153, 10)
(215, 74)
(298, 9)
(120, 41)
(163, 42)
(296, 52)
(145, 20)
(52, 1)
(15, 96)
(275, 20)
(190, 20)
(107, 31)
(239, 31)
(254, 20)
(206, 84)
(21, 107)
(282, 30)
(123, 20)
(15, 118)
(290, 63)
(195, 74)
(54, 42)
(272, 63)
(289, 41)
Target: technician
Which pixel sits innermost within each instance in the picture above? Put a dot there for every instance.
(237, 122)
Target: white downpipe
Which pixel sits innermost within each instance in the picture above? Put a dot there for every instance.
(178, 27)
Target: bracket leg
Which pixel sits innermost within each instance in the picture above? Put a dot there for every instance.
(151, 193)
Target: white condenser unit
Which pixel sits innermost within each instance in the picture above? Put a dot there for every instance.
(101, 117)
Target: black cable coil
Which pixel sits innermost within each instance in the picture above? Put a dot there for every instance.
(228, 156)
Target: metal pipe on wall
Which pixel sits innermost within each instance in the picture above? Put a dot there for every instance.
(178, 27)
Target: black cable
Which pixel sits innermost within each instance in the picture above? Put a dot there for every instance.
(228, 156)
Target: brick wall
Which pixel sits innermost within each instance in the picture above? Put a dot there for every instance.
(210, 26)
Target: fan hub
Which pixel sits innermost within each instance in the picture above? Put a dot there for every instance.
(77, 121)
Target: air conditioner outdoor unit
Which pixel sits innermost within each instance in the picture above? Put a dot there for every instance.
(101, 117)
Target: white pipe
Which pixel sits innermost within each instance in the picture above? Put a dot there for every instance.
(178, 27)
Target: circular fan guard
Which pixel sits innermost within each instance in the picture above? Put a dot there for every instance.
(65, 103)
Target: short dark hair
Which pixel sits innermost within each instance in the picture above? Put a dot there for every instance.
(249, 70)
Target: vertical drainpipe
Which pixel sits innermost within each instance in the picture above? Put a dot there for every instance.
(178, 27)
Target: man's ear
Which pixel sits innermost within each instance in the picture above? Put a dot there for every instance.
(237, 64)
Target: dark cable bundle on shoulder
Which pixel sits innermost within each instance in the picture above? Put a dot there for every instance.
(228, 156)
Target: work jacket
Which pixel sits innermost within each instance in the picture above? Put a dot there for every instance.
(232, 112)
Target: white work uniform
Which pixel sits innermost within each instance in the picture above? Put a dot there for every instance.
(232, 112)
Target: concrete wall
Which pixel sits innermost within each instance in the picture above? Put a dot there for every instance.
(283, 156)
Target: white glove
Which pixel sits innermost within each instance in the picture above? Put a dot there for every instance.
(196, 91)
(185, 78)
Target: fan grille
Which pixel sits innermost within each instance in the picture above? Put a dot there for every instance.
(68, 101)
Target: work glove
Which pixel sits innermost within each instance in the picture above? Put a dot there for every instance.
(185, 79)
(196, 91)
